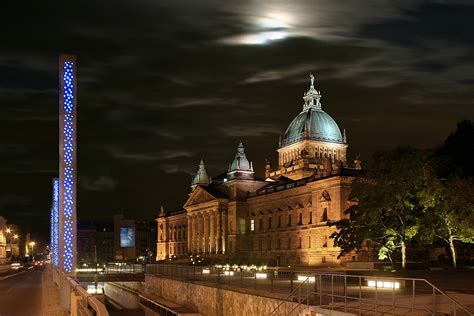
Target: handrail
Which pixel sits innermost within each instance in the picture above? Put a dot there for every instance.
(420, 287)
(449, 297)
(286, 299)
(96, 305)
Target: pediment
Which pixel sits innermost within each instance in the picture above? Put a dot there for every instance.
(198, 196)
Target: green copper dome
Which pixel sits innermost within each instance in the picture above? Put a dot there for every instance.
(312, 122)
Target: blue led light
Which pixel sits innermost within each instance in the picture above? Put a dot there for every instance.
(55, 234)
(67, 185)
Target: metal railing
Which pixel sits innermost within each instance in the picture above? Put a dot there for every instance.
(363, 295)
(359, 294)
(301, 300)
(85, 303)
(271, 280)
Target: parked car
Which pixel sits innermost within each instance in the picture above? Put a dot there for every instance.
(16, 266)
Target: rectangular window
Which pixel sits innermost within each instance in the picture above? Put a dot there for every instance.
(269, 242)
(289, 243)
(310, 218)
(300, 243)
(301, 219)
(260, 244)
(309, 241)
(279, 221)
(261, 223)
(269, 223)
(252, 225)
(289, 220)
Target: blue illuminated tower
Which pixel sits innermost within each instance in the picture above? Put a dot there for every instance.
(54, 250)
(67, 162)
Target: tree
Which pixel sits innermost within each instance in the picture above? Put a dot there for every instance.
(456, 154)
(449, 214)
(387, 208)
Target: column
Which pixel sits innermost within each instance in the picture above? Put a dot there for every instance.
(201, 233)
(188, 233)
(218, 231)
(224, 230)
(205, 221)
(212, 235)
(194, 237)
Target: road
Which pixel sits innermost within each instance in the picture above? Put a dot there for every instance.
(20, 295)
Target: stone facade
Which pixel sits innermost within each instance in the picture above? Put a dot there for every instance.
(213, 301)
(281, 219)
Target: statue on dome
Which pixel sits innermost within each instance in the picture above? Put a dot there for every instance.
(311, 76)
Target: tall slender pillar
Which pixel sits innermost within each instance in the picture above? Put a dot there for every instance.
(55, 224)
(67, 162)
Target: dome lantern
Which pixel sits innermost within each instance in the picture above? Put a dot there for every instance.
(312, 122)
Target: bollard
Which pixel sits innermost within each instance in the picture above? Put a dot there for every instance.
(291, 280)
(271, 282)
(255, 277)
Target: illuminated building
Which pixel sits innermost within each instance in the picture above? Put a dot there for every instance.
(281, 219)
(3, 240)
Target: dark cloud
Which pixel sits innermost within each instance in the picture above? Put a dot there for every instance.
(165, 83)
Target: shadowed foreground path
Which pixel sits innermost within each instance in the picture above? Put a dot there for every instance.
(21, 295)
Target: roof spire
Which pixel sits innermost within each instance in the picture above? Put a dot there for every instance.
(312, 97)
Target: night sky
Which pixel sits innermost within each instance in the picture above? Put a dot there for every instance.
(164, 83)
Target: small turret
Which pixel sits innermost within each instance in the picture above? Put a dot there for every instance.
(201, 177)
(240, 167)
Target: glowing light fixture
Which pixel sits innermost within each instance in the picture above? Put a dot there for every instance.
(55, 223)
(311, 279)
(383, 284)
(261, 275)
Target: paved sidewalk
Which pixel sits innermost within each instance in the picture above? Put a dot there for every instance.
(50, 304)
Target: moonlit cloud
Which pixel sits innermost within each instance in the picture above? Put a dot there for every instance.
(176, 81)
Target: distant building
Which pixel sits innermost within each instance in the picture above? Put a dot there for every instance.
(95, 242)
(133, 240)
(280, 219)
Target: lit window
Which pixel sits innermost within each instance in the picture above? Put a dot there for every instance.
(252, 225)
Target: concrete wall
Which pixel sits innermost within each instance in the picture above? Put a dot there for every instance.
(123, 293)
(212, 301)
